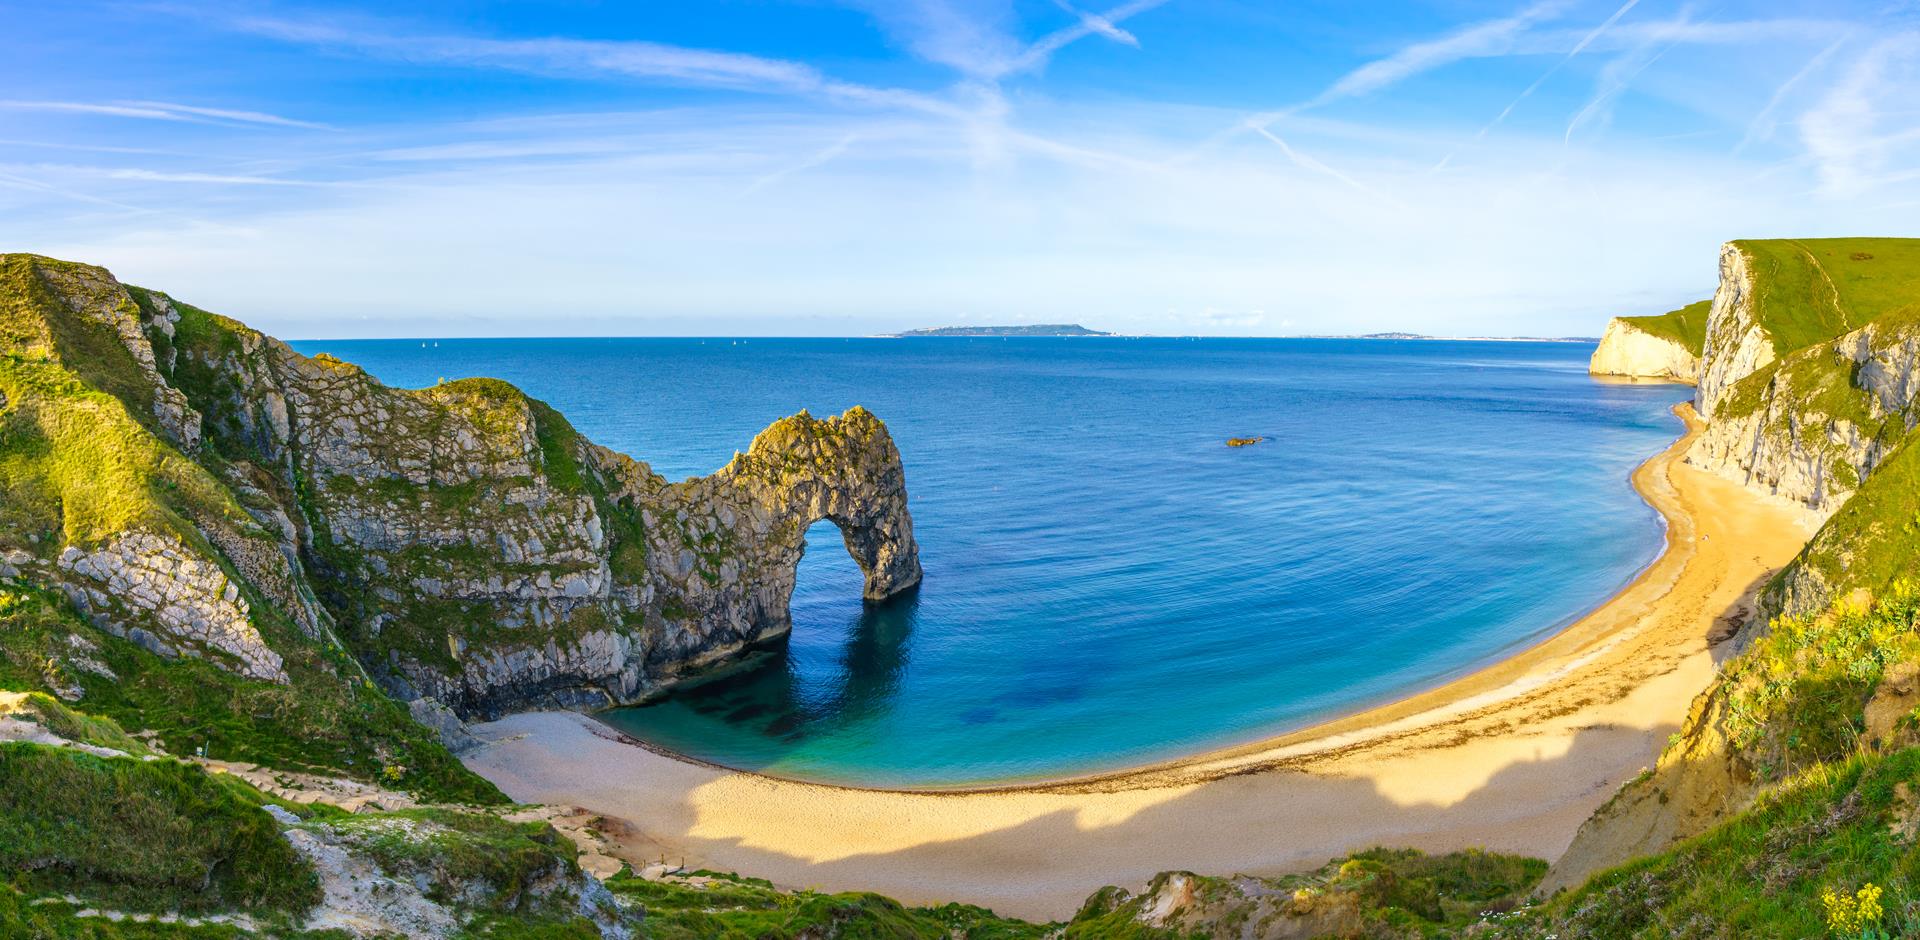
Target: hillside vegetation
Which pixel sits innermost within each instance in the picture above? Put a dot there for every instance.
(1687, 325)
(122, 410)
(1810, 290)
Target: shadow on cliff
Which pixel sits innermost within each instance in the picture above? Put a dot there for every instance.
(785, 694)
(1736, 626)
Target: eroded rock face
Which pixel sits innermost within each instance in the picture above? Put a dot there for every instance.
(1628, 351)
(196, 607)
(463, 541)
(493, 558)
(92, 294)
(1810, 427)
(1819, 425)
(1736, 345)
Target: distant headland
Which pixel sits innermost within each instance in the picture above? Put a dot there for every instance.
(1036, 329)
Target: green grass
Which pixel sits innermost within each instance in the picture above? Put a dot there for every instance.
(453, 850)
(57, 717)
(1686, 326)
(36, 324)
(1393, 892)
(1797, 694)
(143, 835)
(1761, 874)
(48, 919)
(323, 721)
(735, 908)
(73, 459)
(1873, 539)
(1810, 290)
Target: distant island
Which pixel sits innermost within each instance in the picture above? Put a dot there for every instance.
(1037, 329)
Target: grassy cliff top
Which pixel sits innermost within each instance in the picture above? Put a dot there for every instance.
(1810, 290)
(1687, 325)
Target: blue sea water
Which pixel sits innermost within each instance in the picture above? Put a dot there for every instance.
(1107, 583)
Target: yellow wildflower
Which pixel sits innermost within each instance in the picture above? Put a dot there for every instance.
(1850, 915)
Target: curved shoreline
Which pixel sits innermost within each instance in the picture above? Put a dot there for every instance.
(1299, 742)
(1510, 757)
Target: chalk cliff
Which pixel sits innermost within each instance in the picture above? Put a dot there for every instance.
(1809, 379)
(1629, 351)
(206, 491)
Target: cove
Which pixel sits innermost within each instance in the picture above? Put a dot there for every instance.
(1107, 584)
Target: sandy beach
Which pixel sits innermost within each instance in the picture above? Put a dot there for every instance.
(1511, 758)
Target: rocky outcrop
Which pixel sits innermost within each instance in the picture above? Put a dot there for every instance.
(1737, 345)
(1698, 781)
(1812, 426)
(195, 606)
(1626, 350)
(471, 549)
(1826, 426)
(92, 296)
(398, 875)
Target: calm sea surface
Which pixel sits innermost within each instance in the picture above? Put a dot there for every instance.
(1107, 583)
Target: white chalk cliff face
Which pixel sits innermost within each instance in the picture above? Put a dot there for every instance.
(1628, 351)
(1812, 427)
(1737, 345)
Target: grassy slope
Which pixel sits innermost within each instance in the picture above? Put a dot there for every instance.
(78, 464)
(143, 835)
(321, 721)
(1838, 826)
(1810, 290)
(1874, 538)
(167, 837)
(1384, 892)
(735, 908)
(1687, 325)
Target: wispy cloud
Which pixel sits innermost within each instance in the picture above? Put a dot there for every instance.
(1103, 24)
(32, 185)
(1619, 74)
(1764, 124)
(1578, 48)
(977, 39)
(1306, 162)
(137, 174)
(587, 58)
(818, 158)
(162, 111)
(1089, 24)
(1843, 133)
(224, 179)
(1492, 37)
(229, 114)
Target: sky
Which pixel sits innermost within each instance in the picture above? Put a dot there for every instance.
(846, 167)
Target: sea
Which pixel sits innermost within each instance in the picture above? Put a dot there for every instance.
(1108, 584)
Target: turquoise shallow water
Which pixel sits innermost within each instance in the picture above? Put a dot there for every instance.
(1107, 583)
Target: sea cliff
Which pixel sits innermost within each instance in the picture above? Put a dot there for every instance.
(463, 543)
(252, 595)
(1808, 383)
(1666, 347)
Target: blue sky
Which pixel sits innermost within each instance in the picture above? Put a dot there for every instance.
(735, 167)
